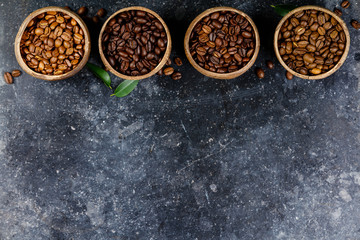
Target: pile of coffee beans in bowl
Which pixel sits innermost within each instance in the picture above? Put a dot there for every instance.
(311, 42)
(134, 42)
(222, 42)
(52, 43)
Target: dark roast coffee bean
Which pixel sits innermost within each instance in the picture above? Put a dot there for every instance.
(82, 11)
(289, 76)
(176, 76)
(345, 4)
(270, 64)
(95, 19)
(8, 78)
(16, 73)
(355, 24)
(338, 12)
(260, 73)
(168, 71)
(101, 12)
(178, 61)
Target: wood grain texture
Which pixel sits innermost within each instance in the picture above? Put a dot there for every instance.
(213, 74)
(22, 28)
(343, 57)
(158, 67)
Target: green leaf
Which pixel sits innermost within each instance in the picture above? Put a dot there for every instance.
(100, 73)
(283, 9)
(125, 88)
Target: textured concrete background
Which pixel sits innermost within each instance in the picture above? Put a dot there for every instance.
(191, 159)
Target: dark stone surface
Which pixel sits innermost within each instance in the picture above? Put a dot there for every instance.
(191, 159)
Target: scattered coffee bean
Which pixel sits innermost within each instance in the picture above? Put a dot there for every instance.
(68, 8)
(311, 42)
(95, 19)
(52, 43)
(345, 4)
(134, 42)
(82, 11)
(8, 78)
(168, 62)
(222, 42)
(176, 76)
(355, 24)
(168, 71)
(101, 12)
(289, 76)
(259, 72)
(270, 64)
(160, 73)
(16, 73)
(338, 12)
(178, 61)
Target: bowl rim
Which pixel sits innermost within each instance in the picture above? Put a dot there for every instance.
(215, 75)
(20, 33)
(339, 63)
(160, 65)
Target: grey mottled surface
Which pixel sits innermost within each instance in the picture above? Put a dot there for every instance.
(193, 159)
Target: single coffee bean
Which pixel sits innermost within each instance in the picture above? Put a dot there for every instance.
(355, 24)
(168, 62)
(82, 11)
(289, 76)
(101, 12)
(16, 73)
(270, 64)
(178, 61)
(8, 78)
(260, 73)
(345, 4)
(338, 12)
(176, 76)
(168, 71)
(95, 19)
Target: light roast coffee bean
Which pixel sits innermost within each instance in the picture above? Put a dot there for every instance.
(309, 42)
(222, 42)
(134, 42)
(289, 76)
(52, 43)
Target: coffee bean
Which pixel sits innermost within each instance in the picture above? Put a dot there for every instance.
(168, 62)
(178, 61)
(168, 71)
(260, 73)
(16, 73)
(101, 12)
(345, 4)
(82, 11)
(270, 64)
(337, 12)
(289, 76)
(355, 24)
(95, 19)
(176, 76)
(8, 78)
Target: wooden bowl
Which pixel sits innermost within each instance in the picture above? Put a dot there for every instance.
(161, 63)
(31, 72)
(343, 57)
(213, 74)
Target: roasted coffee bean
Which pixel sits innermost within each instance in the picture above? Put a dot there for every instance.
(315, 40)
(53, 38)
(8, 78)
(355, 24)
(260, 73)
(178, 61)
(168, 71)
(16, 73)
(345, 4)
(222, 42)
(289, 76)
(95, 19)
(101, 12)
(176, 76)
(338, 12)
(82, 11)
(270, 64)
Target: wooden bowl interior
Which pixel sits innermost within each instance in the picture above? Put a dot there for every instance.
(331, 71)
(31, 72)
(213, 74)
(161, 63)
